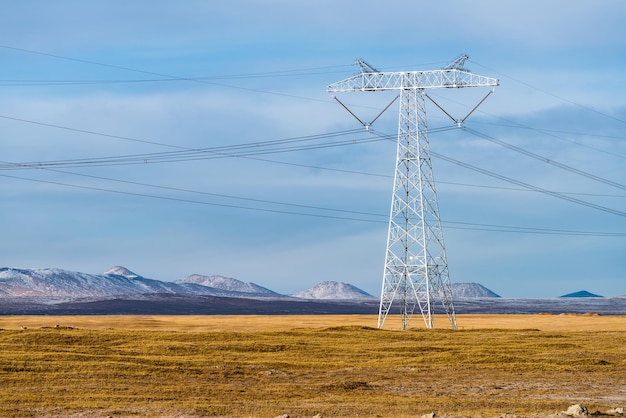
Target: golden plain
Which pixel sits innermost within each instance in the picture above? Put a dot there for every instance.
(331, 365)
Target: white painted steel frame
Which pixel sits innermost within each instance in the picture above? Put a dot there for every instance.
(416, 269)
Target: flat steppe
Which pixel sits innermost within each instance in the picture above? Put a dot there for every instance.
(251, 323)
(303, 365)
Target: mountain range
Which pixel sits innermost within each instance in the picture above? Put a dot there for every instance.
(121, 291)
(58, 284)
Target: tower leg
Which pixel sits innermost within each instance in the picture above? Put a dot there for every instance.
(416, 269)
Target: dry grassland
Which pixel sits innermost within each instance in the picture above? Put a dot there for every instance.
(305, 365)
(248, 323)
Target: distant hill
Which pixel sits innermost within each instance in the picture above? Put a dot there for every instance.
(343, 291)
(472, 290)
(581, 294)
(333, 291)
(227, 283)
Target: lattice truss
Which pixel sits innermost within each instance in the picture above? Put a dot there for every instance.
(416, 269)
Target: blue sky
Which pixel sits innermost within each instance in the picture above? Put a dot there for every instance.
(115, 79)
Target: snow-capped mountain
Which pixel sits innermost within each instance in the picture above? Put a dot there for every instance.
(120, 271)
(117, 281)
(68, 284)
(471, 290)
(227, 283)
(334, 291)
(58, 284)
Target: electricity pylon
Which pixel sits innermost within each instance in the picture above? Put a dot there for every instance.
(416, 269)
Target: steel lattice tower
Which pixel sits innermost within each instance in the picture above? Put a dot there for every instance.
(416, 269)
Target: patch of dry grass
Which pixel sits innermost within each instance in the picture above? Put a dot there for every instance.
(266, 366)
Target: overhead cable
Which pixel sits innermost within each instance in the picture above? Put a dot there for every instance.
(544, 159)
(526, 185)
(454, 225)
(591, 109)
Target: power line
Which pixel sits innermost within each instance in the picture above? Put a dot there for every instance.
(187, 154)
(145, 158)
(168, 76)
(516, 189)
(268, 74)
(220, 195)
(454, 225)
(528, 230)
(175, 78)
(591, 109)
(525, 185)
(273, 73)
(529, 186)
(85, 131)
(544, 159)
(141, 158)
(553, 132)
(100, 189)
(254, 75)
(517, 125)
(155, 155)
(299, 71)
(261, 148)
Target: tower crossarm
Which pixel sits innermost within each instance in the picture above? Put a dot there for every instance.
(411, 80)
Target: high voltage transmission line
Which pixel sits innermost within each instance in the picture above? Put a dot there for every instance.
(159, 74)
(544, 159)
(527, 186)
(214, 152)
(588, 108)
(239, 150)
(241, 154)
(157, 157)
(70, 82)
(452, 224)
(170, 77)
(553, 133)
(147, 157)
(302, 143)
